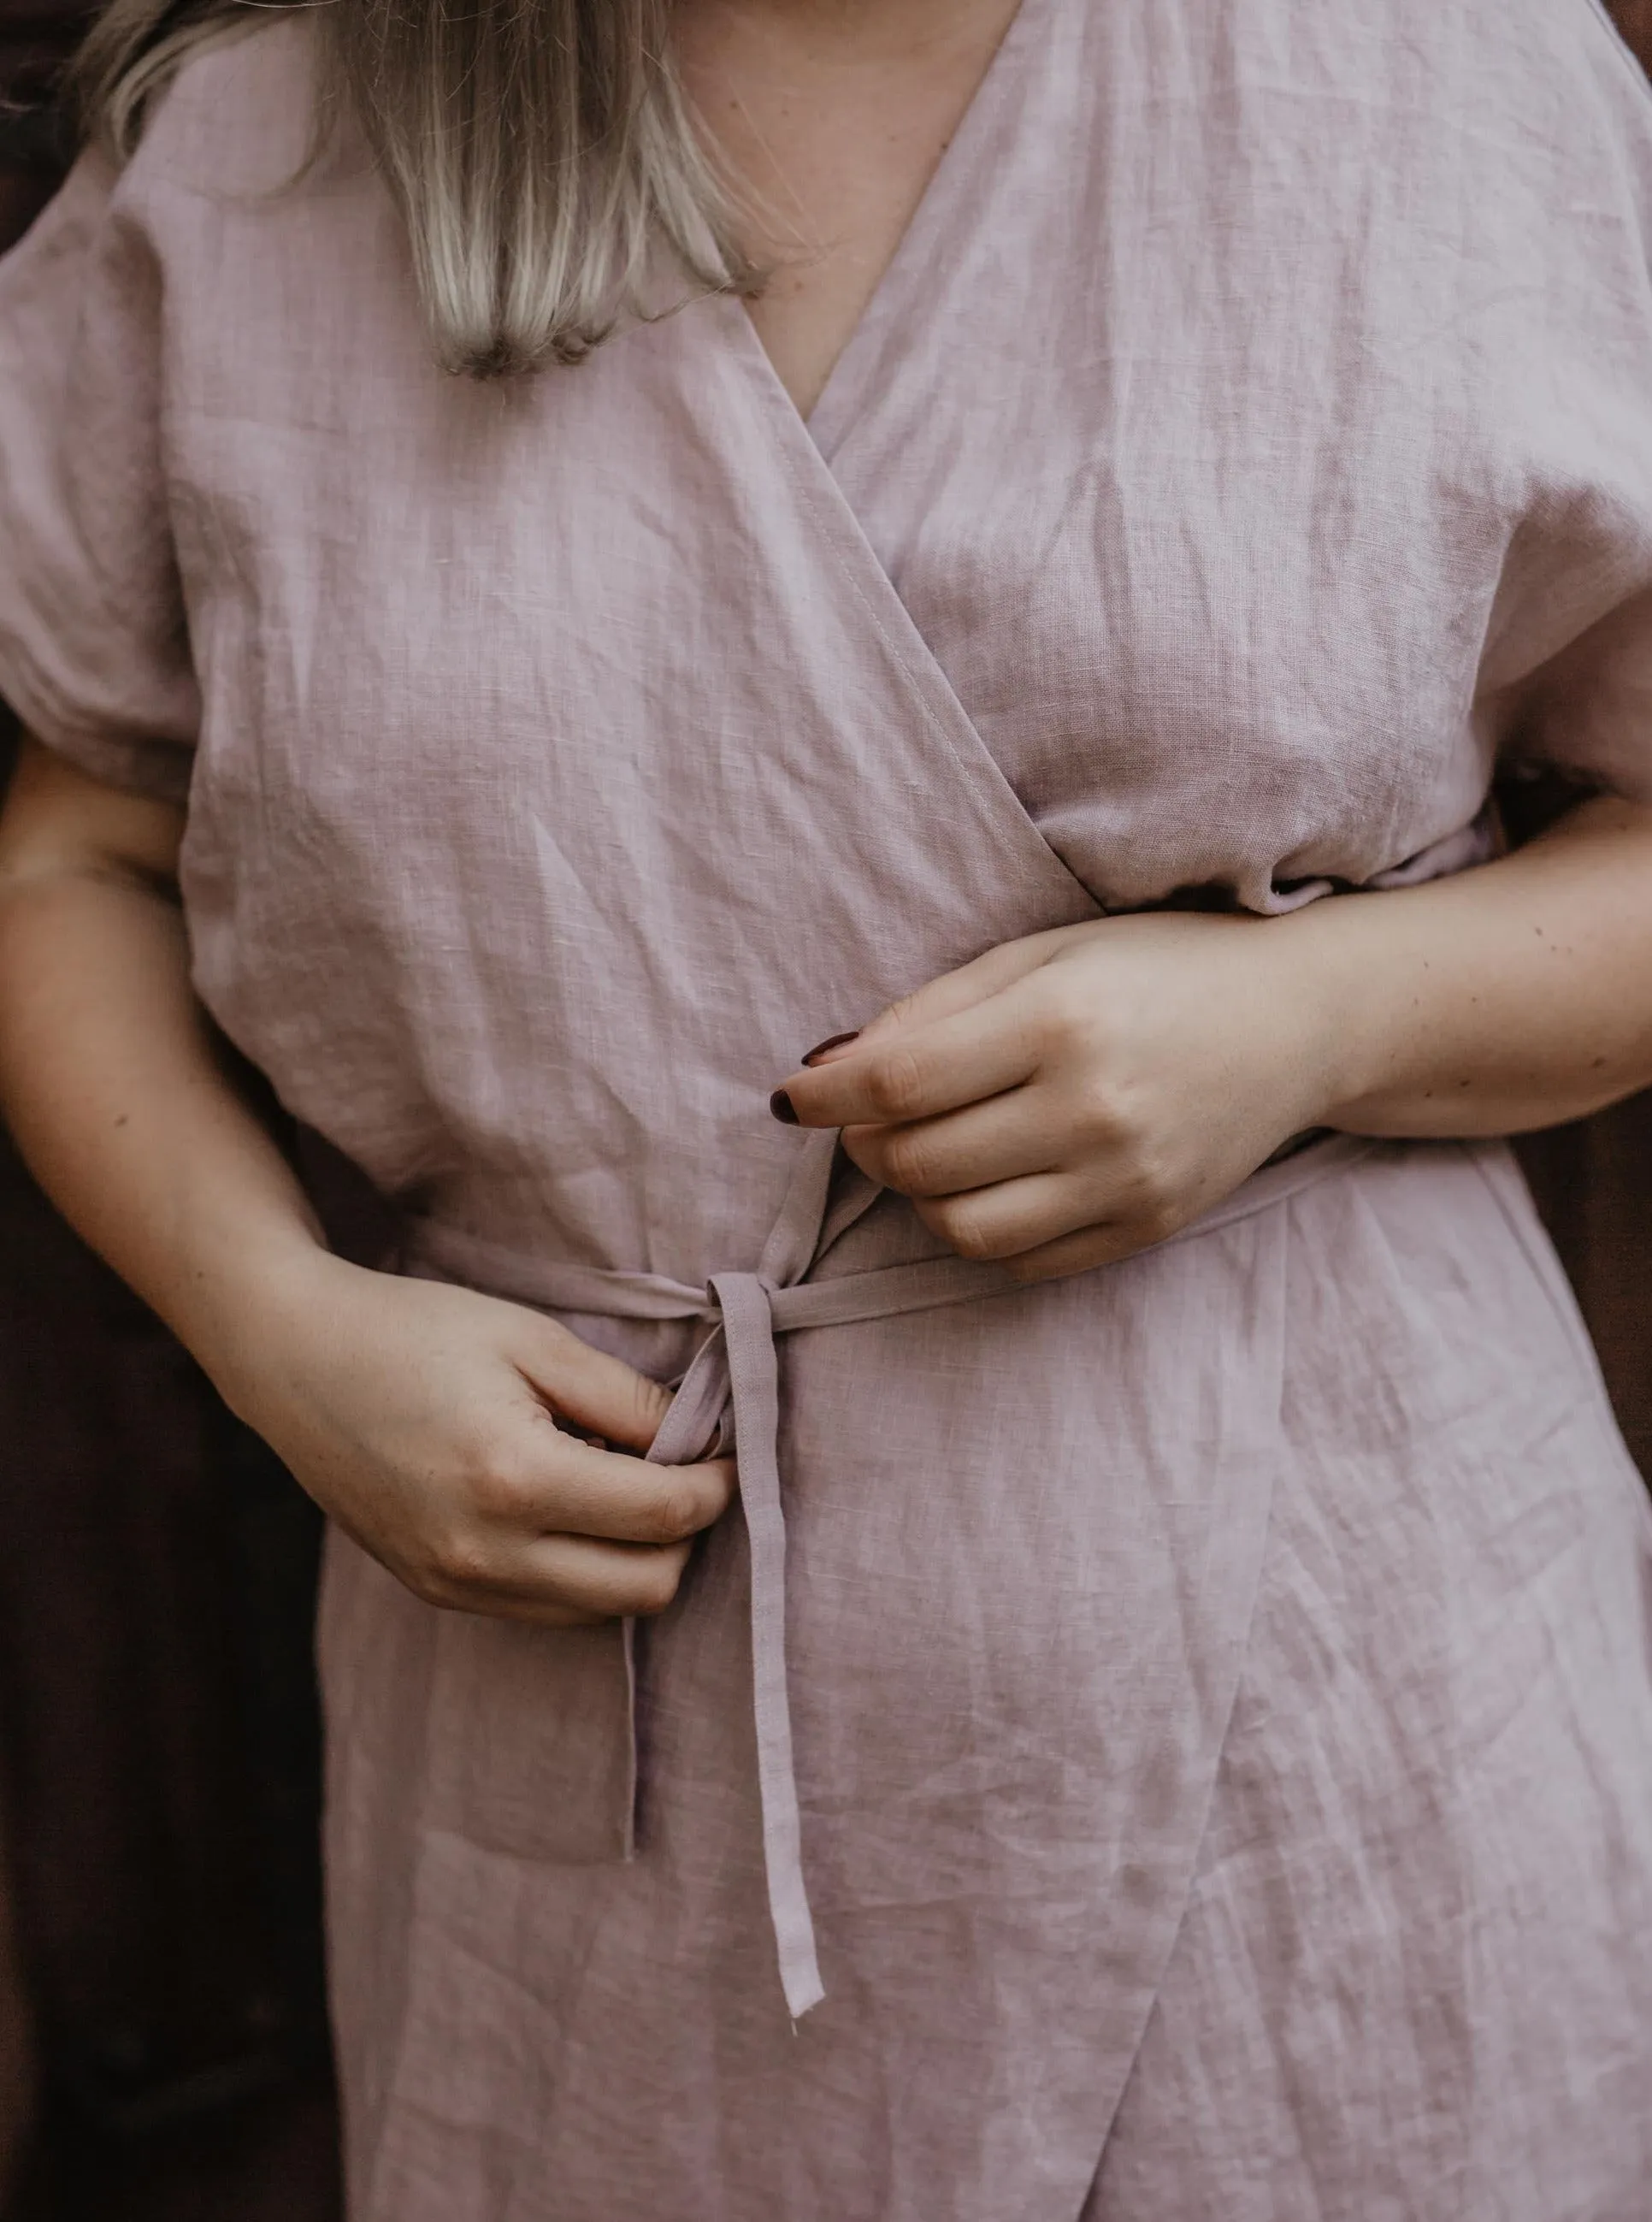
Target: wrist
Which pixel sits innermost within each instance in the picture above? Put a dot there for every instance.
(243, 1296)
(1347, 1035)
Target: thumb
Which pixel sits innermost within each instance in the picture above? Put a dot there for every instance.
(595, 1391)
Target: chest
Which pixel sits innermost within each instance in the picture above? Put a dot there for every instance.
(831, 132)
(1175, 457)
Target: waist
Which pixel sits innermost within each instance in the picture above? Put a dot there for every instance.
(536, 1275)
(733, 1376)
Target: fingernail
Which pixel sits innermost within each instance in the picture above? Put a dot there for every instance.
(832, 1041)
(779, 1105)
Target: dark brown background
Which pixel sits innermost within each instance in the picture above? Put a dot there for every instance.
(160, 2018)
(163, 2052)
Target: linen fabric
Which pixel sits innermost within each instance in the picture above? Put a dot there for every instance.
(1220, 1693)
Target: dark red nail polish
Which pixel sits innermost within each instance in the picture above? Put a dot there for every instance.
(832, 1041)
(781, 1105)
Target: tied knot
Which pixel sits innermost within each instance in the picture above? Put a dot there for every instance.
(735, 1370)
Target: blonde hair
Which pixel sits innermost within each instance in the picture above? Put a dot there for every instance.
(541, 151)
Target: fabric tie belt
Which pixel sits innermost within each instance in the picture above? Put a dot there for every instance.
(735, 1370)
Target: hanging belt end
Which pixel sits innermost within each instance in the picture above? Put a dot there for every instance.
(804, 1990)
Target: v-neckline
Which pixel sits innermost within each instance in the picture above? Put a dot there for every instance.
(836, 404)
(830, 558)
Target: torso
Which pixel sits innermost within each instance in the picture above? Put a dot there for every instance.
(1257, 394)
(832, 127)
(1182, 536)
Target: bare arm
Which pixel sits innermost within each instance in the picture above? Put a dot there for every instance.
(422, 1417)
(1069, 1098)
(1503, 1000)
(109, 1075)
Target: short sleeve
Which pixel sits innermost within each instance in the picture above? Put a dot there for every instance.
(1567, 673)
(94, 649)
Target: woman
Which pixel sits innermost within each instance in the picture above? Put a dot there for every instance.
(1065, 514)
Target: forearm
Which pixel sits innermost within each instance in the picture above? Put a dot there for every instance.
(1508, 998)
(111, 1086)
(422, 1418)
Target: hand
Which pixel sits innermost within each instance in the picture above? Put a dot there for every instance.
(423, 1419)
(1070, 1098)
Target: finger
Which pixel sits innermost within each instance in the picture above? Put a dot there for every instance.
(1047, 1226)
(536, 1612)
(918, 1072)
(1079, 1252)
(556, 1580)
(561, 1485)
(998, 1223)
(982, 977)
(601, 1394)
(616, 1580)
(1002, 1139)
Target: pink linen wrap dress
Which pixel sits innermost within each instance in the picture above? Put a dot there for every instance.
(1193, 1721)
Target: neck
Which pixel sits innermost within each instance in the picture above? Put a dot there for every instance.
(852, 30)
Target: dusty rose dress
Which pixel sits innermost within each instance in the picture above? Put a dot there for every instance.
(1194, 1722)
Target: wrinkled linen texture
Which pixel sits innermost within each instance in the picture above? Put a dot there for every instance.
(1221, 1707)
